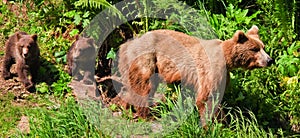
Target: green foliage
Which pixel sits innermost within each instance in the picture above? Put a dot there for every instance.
(60, 88)
(290, 99)
(235, 19)
(99, 4)
(78, 18)
(289, 62)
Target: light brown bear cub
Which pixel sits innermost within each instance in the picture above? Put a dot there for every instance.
(81, 57)
(22, 49)
(173, 56)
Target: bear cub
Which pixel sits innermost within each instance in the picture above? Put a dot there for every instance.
(81, 57)
(22, 49)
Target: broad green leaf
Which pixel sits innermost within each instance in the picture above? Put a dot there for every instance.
(70, 14)
(74, 32)
(111, 54)
(77, 19)
(59, 53)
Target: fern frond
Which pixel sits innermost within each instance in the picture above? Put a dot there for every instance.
(98, 4)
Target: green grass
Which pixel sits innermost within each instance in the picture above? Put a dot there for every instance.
(49, 117)
(64, 117)
(9, 114)
(63, 120)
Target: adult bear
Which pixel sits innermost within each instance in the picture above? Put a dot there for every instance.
(170, 56)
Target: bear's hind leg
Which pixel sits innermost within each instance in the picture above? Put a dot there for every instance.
(142, 82)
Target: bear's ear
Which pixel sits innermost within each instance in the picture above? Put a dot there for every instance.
(239, 37)
(34, 37)
(253, 30)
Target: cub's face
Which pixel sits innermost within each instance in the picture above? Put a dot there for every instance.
(250, 50)
(26, 45)
(84, 49)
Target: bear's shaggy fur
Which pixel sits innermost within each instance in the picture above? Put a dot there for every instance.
(22, 49)
(173, 56)
(81, 57)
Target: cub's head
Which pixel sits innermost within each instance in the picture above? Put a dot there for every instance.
(248, 50)
(83, 49)
(27, 45)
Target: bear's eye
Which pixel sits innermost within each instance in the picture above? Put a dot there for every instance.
(256, 49)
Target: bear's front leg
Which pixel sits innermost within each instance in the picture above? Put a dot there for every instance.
(202, 111)
(207, 105)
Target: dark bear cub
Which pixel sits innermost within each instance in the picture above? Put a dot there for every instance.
(23, 50)
(81, 57)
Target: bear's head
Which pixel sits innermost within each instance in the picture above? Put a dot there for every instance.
(26, 44)
(84, 49)
(248, 50)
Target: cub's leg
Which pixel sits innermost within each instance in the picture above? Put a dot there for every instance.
(70, 66)
(34, 68)
(88, 77)
(8, 61)
(75, 71)
(89, 71)
(22, 70)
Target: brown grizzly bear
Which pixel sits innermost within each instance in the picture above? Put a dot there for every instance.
(173, 56)
(81, 57)
(22, 49)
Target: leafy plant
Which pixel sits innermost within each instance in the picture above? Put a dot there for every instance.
(234, 20)
(60, 88)
(289, 62)
(99, 4)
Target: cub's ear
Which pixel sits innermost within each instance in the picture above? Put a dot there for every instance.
(90, 41)
(253, 30)
(34, 37)
(19, 36)
(239, 37)
(77, 36)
